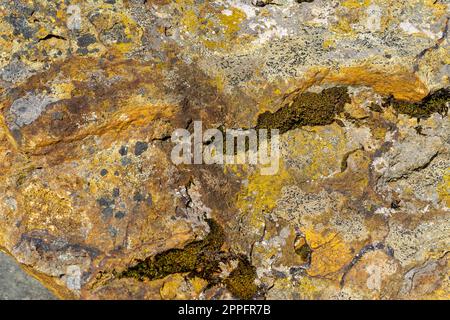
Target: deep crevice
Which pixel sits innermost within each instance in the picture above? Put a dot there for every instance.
(52, 36)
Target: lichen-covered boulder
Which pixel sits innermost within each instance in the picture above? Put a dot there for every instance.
(92, 203)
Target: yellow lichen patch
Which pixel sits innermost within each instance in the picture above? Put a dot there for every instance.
(190, 21)
(444, 189)
(317, 152)
(266, 189)
(356, 111)
(178, 287)
(314, 288)
(316, 239)
(439, 294)
(209, 44)
(328, 43)
(216, 31)
(304, 288)
(329, 253)
(198, 284)
(47, 209)
(283, 286)
(232, 21)
(439, 8)
(313, 75)
(355, 4)
(185, 2)
(343, 26)
(379, 133)
(402, 84)
(63, 90)
(132, 31)
(261, 194)
(218, 82)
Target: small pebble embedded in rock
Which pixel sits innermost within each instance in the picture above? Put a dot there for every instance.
(119, 215)
(116, 192)
(123, 150)
(138, 197)
(140, 148)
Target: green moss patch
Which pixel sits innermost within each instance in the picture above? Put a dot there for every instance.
(241, 281)
(307, 109)
(434, 103)
(200, 259)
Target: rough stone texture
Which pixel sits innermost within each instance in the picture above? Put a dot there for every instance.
(88, 103)
(15, 284)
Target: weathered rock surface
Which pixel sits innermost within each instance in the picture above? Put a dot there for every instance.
(91, 203)
(15, 284)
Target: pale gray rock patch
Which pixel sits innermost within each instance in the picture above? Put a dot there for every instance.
(409, 155)
(27, 109)
(15, 284)
(15, 71)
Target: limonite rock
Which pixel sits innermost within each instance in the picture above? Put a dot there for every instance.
(94, 207)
